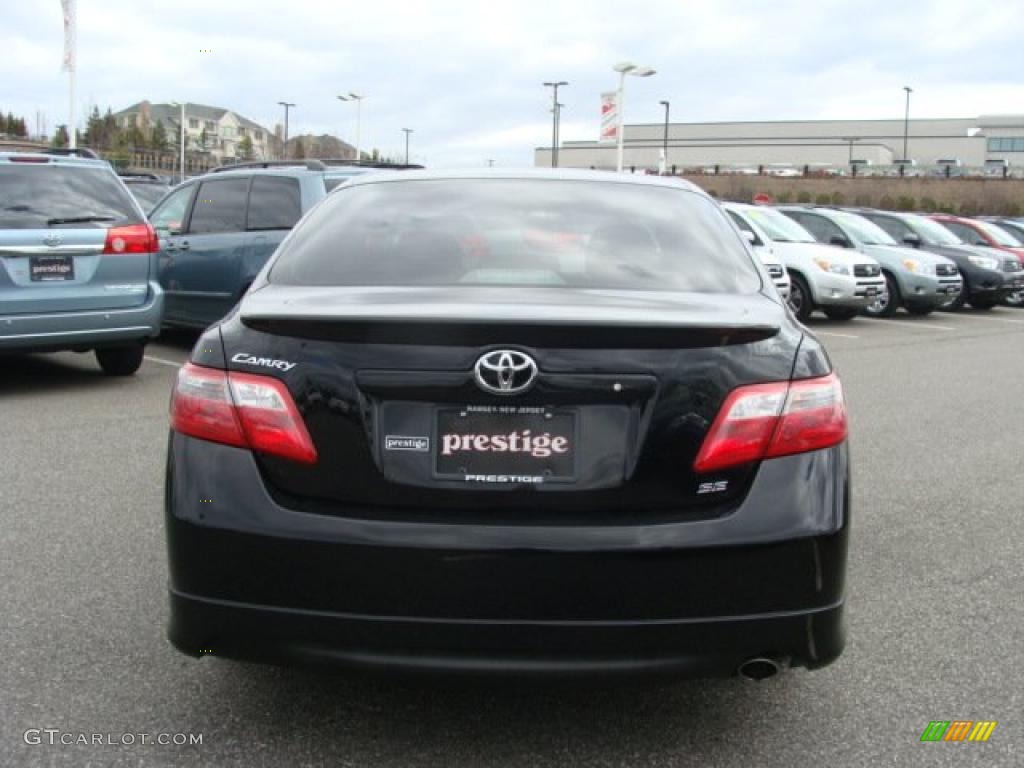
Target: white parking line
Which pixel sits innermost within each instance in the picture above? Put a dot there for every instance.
(915, 324)
(161, 361)
(832, 333)
(990, 319)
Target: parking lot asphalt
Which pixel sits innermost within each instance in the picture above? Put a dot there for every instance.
(935, 607)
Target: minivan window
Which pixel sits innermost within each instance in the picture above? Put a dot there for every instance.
(274, 203)
(219, 207)
(170, 215)
(518, 232)
(34, 194)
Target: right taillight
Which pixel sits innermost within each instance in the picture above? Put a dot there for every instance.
(240, 409)
(762, 421)
(134, 238)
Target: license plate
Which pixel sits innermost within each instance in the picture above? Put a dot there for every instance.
(505, 444)
(952, 290)
(871, 292)
(49, 268)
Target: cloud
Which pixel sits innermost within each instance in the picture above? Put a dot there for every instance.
(466, 76)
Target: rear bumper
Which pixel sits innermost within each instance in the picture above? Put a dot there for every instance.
(74, 330)
(250, 579)
(713, 646)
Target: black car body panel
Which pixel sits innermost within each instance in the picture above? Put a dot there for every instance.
(625, 559)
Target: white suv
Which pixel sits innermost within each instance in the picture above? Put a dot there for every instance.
(837, 282)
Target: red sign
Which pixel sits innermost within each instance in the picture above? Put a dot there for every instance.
(762, 199)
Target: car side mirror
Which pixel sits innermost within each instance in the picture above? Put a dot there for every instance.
(751, 237)
(839, 240)
(981, 242)
(912, 240)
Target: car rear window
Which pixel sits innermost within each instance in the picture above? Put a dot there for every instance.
(32, 194)
(148, 195)
(518, 232)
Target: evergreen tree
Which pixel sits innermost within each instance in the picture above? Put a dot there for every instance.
(60, 136)
(158, 140)
(111, 135)
(245, 150)
(94, 129)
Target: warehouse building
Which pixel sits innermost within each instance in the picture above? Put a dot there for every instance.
(972, 142)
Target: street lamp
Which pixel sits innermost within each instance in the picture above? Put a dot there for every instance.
(407, 131)
(182, 133)
(851, 140)
(287, 105)
(664, 149)
(359, 115)
(906, 121)
(554, 119)
(626, 68)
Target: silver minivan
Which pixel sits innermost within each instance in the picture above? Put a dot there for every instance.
(77, 261)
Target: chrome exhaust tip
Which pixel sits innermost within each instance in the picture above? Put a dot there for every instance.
(759, 668)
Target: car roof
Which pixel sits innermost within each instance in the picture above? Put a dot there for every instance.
(38, 158)
(555, 174)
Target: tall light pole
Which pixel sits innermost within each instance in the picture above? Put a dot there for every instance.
(850, 140)
(287, 105)
(906, 121)
(664, 148)
(626, 68)
(558, 129)
(407, 131)
(181, 133)
(555, 85)
(359, 116)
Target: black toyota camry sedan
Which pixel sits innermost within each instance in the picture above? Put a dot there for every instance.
(532, 422)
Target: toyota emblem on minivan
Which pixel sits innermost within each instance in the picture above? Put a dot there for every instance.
(505, 372)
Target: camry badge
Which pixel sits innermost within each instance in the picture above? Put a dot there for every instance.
(505, 372)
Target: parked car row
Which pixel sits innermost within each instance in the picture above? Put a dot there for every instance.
(82, 267)
(850, 261)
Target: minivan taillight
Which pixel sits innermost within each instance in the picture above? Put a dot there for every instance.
(134, 238)
(763, 421)
(240, 409)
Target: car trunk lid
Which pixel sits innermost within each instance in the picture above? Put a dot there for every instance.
(627, 382)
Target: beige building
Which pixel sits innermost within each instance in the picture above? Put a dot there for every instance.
(214, 130)
(971, 141)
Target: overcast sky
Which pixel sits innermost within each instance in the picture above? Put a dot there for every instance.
(466, 76)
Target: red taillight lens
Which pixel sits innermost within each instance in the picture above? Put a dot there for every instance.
(240, 409)
(763, 421)
(135, 238)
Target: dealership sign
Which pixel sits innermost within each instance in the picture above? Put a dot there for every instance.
(609, 116)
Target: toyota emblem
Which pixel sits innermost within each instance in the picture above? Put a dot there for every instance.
(52, 240)
(505, 372)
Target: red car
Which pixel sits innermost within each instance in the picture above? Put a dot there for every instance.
(987, 235)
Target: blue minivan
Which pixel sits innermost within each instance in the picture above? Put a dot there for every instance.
(216, 231)
(77, 260)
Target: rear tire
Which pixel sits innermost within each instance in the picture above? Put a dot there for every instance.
(840, 313)
(886, 304)
(800, 300)
(120, 361)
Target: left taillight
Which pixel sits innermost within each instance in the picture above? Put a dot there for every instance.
(240, 409)
(134, 238)
(764, 421)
